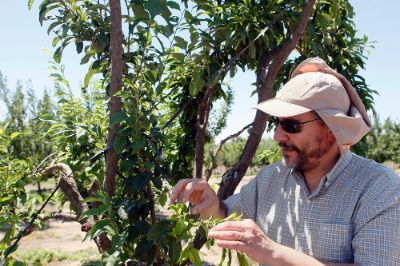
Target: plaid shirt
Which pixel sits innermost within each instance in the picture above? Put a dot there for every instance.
(353, 215)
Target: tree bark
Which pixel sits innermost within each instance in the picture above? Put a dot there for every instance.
(114, 103)
(266, 75)
(203, 113)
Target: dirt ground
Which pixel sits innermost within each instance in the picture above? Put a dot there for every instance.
(66, 237)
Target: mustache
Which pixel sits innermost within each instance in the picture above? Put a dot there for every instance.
(286, 145)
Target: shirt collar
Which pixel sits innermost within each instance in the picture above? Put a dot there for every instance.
(329, 178)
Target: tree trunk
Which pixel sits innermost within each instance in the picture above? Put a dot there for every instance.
(114, 103)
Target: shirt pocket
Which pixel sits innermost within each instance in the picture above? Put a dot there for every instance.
(331, 241)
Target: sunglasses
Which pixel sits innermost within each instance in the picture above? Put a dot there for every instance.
(291, 126)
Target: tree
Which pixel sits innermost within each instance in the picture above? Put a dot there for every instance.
(383, 142)
(161, 86)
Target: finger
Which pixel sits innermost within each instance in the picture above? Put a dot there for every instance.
(227, 235)
(240, 226)
(192, 191)
(176, 191)
(202, 206)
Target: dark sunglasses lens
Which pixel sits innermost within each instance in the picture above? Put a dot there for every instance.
(290, 126)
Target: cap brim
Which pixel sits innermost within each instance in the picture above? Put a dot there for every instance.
(280, 108)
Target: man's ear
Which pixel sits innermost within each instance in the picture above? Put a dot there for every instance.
(331, 136)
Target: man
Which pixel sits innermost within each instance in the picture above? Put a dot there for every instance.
(322, 205)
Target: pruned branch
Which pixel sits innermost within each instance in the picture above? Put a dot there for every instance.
(68, 186)
(218, 149)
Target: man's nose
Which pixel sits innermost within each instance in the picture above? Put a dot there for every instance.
(280, 135)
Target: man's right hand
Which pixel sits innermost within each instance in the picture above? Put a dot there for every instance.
(201, 195)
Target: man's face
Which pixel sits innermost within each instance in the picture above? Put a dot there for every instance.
(303, 145)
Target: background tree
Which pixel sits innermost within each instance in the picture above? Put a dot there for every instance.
(383, 142)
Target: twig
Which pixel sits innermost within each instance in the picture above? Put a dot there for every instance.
(66, 217)
(218, 149)
(181, 109)
(45, 159)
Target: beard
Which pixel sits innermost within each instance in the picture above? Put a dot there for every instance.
(304, 159)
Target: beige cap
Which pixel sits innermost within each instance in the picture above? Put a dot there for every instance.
(314, 86)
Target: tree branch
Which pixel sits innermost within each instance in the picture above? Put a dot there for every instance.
(203, 113)
(267, 72)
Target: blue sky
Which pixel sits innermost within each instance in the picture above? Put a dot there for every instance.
(23, 41)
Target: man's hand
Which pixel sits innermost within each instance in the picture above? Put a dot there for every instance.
(200, 194)
(247, 237)
(244, 236)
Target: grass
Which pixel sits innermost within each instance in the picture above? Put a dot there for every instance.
(44, 257)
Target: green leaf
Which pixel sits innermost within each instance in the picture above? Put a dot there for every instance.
(53, 25)
(163, 198)
(30, 3)
(55, 41)
(179, 57)
(98, 7)
(185, 254)
(140, 12)
(196, 84)
(138, 144)
(242, 259)
(175, 249)
(45, 7)
(154, 7)
(173, 5)
(180, 42)
(138, 182)
(57, 54)
(14, 135)
(79, 47)
(118, 117)
(158, 231)
(89, 75)
(223, 256)
(195, 257)
(95, 211)
(97, 228)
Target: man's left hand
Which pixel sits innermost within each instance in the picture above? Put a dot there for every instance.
(245, 236)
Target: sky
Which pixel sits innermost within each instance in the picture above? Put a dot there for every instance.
(23, 43)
